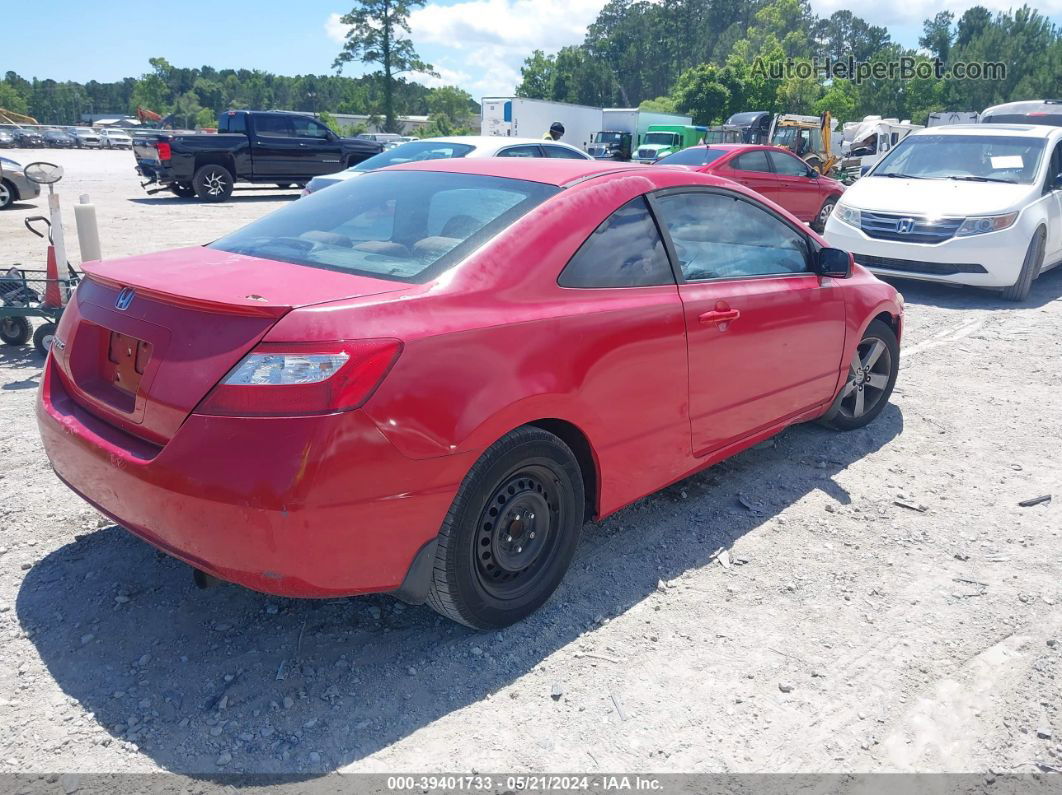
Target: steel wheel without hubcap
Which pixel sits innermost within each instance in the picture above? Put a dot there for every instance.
(517, 532)
(867, 380)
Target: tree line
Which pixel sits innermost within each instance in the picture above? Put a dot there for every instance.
(707, 57)
(194, 97)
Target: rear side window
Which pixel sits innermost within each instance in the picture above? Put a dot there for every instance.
(624, 251)
(521, 151)
(234, 123)
(694, 156)
(751, 161)
(562, 152)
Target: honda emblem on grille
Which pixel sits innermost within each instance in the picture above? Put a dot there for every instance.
(905, 225)
(125, 297)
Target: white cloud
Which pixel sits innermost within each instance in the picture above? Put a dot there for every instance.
(334, 29)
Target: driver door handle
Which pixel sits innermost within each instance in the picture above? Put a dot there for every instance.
(718, 316)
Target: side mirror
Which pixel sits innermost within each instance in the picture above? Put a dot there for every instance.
(833, 262)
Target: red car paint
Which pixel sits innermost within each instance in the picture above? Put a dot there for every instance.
(340, 503)
(803, 196)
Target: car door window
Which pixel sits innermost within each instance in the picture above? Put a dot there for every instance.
(562, 152)
(308, 128)
(751, 161)
(1054, 167)
(273, 125)
(787, 165)
(719, 236)
(624, 251)
(529, 150)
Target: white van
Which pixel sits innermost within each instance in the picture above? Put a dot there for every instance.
(979, 205)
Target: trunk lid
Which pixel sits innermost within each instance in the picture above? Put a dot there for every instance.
(145, 338)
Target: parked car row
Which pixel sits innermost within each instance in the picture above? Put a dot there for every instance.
(14, 135)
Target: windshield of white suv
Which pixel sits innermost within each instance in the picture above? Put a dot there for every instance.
(414, 150)
(973, 158)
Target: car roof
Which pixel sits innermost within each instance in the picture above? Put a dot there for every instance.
(1019, 130)
(549, 171)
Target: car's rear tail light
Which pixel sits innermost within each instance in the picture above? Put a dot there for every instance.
(163, 148)
(287, 379)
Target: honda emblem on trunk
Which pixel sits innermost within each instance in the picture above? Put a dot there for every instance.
(125, 297)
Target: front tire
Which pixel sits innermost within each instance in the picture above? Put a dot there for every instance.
(869, 381)
(819, 224)
(212, 183)
(511, 531)
(7, 194)
(15, 330)
(1030, 269)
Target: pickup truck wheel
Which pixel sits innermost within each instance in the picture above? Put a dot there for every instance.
(182, 189)
(212, 183)
(511, 531)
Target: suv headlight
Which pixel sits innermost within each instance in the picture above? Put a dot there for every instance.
(849, 215)
(979, 225)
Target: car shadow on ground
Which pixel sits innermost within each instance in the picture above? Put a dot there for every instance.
(22, 357)
(269, 685)
(287, 194)
(1046, 288)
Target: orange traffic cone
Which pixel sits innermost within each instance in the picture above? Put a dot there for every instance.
(52, 295)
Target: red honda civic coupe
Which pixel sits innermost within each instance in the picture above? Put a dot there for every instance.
(425, 380)
(771, 171)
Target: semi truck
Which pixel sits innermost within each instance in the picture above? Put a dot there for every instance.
(866, 142)
(622, 131)
(666, 139)
(520, 117)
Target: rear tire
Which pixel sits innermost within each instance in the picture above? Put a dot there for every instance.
(42, 338)
(212, 183)
(1030, 269)
(869, 381)
(510, 533)
(819, 224)
(15, 330)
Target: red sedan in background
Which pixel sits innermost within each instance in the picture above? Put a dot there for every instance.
(771, 171)
(424, 380)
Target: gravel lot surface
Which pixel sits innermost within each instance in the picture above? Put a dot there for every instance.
(887, 605)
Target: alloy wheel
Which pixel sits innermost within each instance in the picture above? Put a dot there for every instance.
(824, 213)
(214, 182)
(868, 378)
(5, 195)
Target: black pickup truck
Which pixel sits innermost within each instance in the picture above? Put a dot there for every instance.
(262, 147)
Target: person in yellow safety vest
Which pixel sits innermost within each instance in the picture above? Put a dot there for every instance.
(556, 130)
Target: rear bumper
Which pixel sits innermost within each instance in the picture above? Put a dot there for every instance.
(305, 507)
(155, 171)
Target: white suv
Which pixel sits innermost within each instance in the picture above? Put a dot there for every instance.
(968, 204)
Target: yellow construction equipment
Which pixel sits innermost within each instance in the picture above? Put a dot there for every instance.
(808, 137)
(10, 117)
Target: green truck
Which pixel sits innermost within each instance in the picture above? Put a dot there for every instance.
(666, 139)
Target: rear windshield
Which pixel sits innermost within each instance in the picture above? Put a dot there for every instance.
(412, 151)
(691, 157)
(407, 226)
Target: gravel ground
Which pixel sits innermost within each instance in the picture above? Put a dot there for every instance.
(887, 606)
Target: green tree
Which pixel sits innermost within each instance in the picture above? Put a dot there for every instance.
(536, 76)
(452, 103)
(700, 93)
(376, 35)
(659, 105)
(12, 99)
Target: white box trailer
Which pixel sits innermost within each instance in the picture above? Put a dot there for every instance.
(622, 130)
(520, 117)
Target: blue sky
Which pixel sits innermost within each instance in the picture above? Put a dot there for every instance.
(477, 44)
